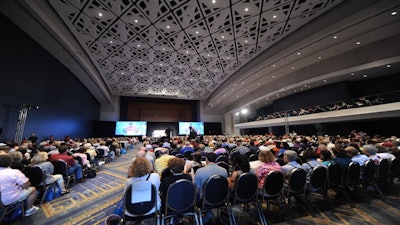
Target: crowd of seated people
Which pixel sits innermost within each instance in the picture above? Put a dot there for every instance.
(159, 159)
(347, 104)
(275, 153)
(19, 179)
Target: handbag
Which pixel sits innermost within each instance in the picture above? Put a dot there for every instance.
(49, 195)
(119, 208)
(90, 173)
(14, 214)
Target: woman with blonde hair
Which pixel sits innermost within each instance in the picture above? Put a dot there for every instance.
(268, 164)
(40, 160)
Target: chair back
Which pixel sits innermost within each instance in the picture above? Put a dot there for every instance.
(369, 173)
(35, 174)
(353, 174)
(318, 177)
(224, 165)
(334, 175)
(253, 157)
(245, 188)
(215, 192)
(273, 184)
(140, 208)
(383, 170)
(222, 158)
(297, 180)
(395, 168)
(60, 167)
(100, 153)
(180, 197)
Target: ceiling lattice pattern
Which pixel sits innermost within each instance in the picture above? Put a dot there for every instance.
(179, 48)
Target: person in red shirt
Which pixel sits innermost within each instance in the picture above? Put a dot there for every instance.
(73, 166)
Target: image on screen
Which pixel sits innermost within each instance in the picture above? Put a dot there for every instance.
(130, 128)
(184, 127)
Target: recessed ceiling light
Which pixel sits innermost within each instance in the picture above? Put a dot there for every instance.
(357, 43)
(319, 57)
(122, 73)
(214, 1)
(246, 9)
(388, 65)
(187, 52)
(160, 64)
(273, 65)
(100, 14)
(334, 37)
(110, 42)
(247, 90)
(197, 32)
(394, 13)
(273, 76)
(168, 27)
(140, 61)
(245, 41)
(136, 21)
(222, 36)
(274, 16)
(163, 49)
(299, 53)
(365, 75)
(138, 46)
(292, 67)
(227, 57)
(352, 74)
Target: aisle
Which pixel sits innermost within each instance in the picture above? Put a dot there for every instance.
(89, 203)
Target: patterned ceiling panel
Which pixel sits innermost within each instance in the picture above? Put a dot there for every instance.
(180, 48)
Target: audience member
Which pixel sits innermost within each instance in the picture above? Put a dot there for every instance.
(73, 167)
(268, 164)
(140, 170)
(40, 160)
(15, 186)
(162, 162)
(240, 165)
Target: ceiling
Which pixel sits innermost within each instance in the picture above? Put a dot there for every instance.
(229, 54)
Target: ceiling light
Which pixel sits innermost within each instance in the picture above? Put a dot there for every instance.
(222, 36)
(365, 75)
(247, 90)
(258, 84)
(334, 37)
(138, 46)
(110, 42)
(357, 43)
(168, 27)
(163, 49)
(273, 76)
(245, 41)
(319, 57)
(122, 73)
(352, 74)
(136, 21)
(298, 53)
(187, 52)
(246, 9)
(274, 16)
(244, 111)
(325, 81)
(394, 13)
(208, 55)
(292, 67)
(197, 32)
(160, 64)
(100, 14)
(388, 65)
(237, 113)
(273, 65)
(237, 96)
(214, 1)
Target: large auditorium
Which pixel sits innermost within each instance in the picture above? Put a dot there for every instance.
(250, 85)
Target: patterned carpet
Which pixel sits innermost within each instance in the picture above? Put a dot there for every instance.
(89, 203)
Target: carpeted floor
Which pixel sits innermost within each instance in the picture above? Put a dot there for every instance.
(89, 203)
